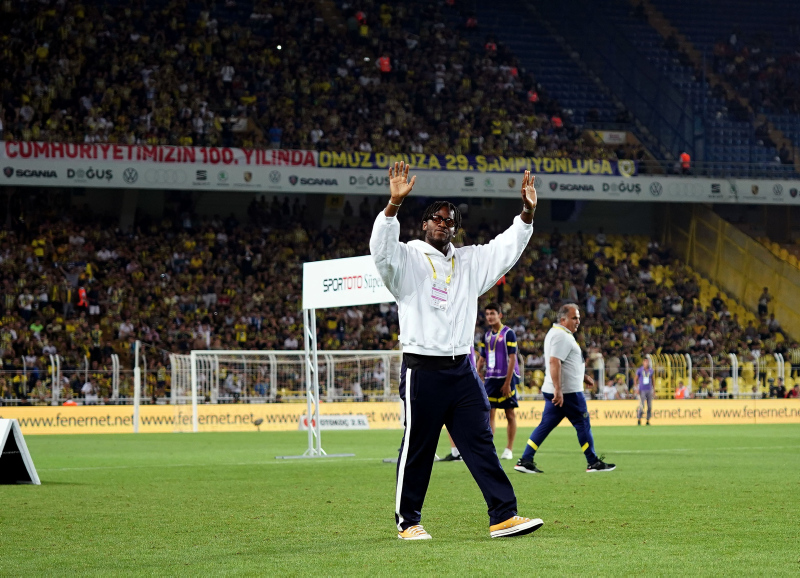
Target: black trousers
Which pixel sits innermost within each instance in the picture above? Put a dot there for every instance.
(454, 398)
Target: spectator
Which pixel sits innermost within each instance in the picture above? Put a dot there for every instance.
(777, 389)
(763, 302)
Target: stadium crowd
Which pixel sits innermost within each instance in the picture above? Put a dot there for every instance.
(359, 79)
(74, 285)
(766, 74)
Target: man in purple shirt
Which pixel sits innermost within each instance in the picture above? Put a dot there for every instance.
(644, 382)
(498, 366)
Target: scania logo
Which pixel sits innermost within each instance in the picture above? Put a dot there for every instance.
(130, 175)
(656, 189)
(293, 179)
(553, 185)
(575, 187)
(793, 192)
(317, 182)
(275, 177)
(27, 173)
(165, 176)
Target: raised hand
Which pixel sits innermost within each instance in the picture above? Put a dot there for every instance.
(399, 185)
(529, 191)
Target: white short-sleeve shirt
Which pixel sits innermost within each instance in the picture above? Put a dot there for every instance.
(560, 343)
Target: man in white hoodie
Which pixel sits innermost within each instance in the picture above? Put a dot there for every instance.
(437, 288)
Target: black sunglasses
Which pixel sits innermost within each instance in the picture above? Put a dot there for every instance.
(450, 223)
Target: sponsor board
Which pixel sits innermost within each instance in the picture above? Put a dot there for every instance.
(379, 415)
(225, 169)
(342, 283)
(335, 422)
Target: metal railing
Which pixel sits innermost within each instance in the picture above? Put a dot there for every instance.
(279, 376)
(719, 169)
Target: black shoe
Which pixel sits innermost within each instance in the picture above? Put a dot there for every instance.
(452, 458)
(600, 466)
(638, 422)
(527, 467)
(648, 422)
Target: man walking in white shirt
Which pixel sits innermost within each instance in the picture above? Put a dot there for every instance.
(437, 288)
(565, 374)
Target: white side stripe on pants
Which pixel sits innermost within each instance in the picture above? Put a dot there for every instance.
(401, 469)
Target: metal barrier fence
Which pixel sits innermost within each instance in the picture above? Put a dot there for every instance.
(279, 376)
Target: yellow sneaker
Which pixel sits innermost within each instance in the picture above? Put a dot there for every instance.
(414, 533)
(516, 526)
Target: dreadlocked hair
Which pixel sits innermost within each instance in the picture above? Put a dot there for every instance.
(434, 208)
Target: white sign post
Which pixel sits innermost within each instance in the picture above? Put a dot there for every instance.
(334, 283)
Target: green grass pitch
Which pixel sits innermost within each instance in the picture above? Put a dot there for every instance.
(706, 500)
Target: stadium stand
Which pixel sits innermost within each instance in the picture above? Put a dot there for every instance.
(751, 47)
(75, 287)
(190, 83)
(352, 75)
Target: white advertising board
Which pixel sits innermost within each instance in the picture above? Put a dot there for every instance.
(343, 283)
(284, 171)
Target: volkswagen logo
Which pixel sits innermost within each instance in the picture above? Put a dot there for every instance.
(130, 175)
(655, 189)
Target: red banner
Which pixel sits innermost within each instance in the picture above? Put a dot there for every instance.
(30, 151)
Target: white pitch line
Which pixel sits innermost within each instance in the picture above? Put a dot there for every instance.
(271, 462)
(682, 450)
(327, 460)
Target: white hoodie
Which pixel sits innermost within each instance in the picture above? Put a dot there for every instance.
(407, 273)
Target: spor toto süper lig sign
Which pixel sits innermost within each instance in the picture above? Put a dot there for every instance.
(286, 172)
(343, 283)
